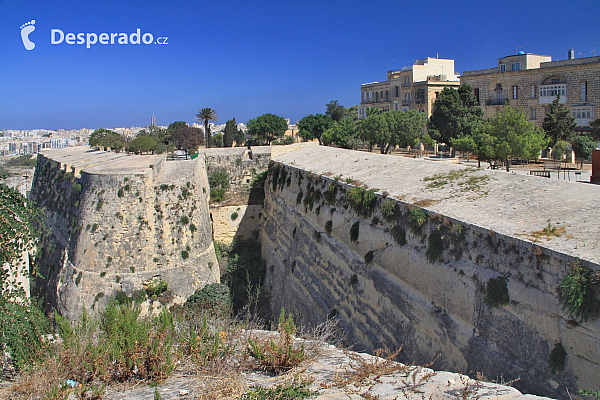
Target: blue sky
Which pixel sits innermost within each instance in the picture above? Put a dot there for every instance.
(246, 58)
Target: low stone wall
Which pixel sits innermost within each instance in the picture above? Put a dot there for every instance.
(392, 284)
(231, 222)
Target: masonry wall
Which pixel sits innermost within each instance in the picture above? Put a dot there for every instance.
(118, 231)
(422, 288)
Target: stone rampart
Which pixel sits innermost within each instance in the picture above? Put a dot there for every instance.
(415, 264)
(125, 222)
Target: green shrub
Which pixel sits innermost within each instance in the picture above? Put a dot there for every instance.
(361, 200)
(120, 192)
(435, 246)
(118, 346)
(184, 220)
(496, 294)
(288, 391)
(353, 280)
(156, 287)
(388, 209)
(416, 219)
(576, 292)
(354, 231)
(258, 180)
(594, 393)
(219, 183)
(278, 356)
(185, 254)
(193, 228)
(557, 358)
(234, 216)
(299, 197)
(330, 194)
(99, 205)
(214, 297)
(76, 189)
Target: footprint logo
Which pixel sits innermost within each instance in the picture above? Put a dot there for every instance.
(26, 29)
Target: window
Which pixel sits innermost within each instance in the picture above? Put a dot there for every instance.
(476, 94)
(583, 115)
(502, 67)
(376, 97)
(515, 66)
(532, 114)
(549, 92)
(532, 91)
(370, 95)
(387, 95)
(437, 95)
(364, 95)
(583, 92)
(397, 91)
(381, 95)
(515, 92)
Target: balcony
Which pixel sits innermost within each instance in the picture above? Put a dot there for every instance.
(497, 102)
(406, 85)
(406, 102)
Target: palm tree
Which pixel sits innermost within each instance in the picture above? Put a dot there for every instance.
(207, 115)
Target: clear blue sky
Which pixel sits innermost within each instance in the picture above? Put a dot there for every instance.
(246, 58)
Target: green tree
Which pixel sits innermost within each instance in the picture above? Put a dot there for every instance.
(559, 122)
(335, 110)
(267, 127)
(510, 135)
(186, 138)
(340, 134)
(98, 138)
(312, 126)
(583, 146)
(142, 144)
(229, 133)
(22, 324)
(240, 138)
(393, 128)
(456, 113)
(206, 116)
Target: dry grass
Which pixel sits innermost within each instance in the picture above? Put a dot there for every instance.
(425, 202)
(549, 232)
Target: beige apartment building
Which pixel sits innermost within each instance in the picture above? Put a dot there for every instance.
(531, 82)
(412, 88)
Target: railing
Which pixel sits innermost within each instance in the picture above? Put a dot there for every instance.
(406, 102)
(497, 102)
(406, 85)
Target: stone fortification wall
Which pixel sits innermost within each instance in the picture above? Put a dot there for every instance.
(392, 283)
(126, 221)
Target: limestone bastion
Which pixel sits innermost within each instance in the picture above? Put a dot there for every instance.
(119, 224)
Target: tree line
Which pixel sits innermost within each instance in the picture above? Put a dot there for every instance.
(456, 120)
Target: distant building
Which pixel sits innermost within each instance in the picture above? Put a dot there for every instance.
(532, 81)
(153, 120)
(411, 88)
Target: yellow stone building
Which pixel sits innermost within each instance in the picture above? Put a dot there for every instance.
(412, 88)
(531, 82)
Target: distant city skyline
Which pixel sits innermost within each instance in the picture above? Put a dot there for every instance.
(244, 59)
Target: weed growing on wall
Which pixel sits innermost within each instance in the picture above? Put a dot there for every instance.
(219, 183)
(416, 219)
(214, 298)
(435, 246)
(361, 200)
(328, 227)
(557, 358)
(369, 257)
(388, 209)
(496, 294)
(576, 292)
